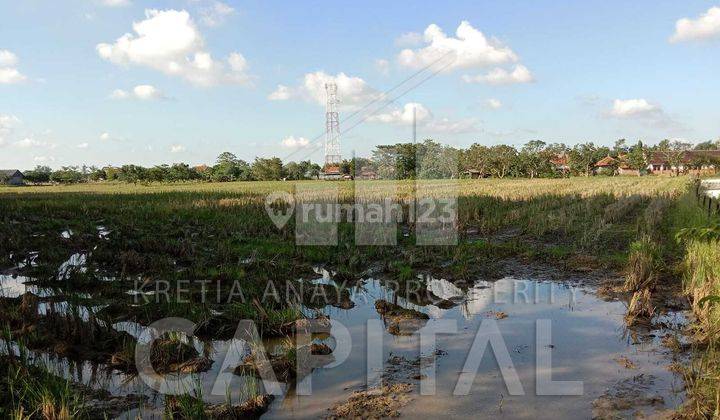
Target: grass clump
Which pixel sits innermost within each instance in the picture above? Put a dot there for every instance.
(643, 265)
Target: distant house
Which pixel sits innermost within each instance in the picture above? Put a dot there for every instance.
(331, 172)
(561, 162)
(607, 165)
(615, 166)
(696, 162)
(367, 173)
(201, 169)
(11, 177)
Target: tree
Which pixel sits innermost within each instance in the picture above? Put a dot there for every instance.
(501, 159)
(66, 175)
(314, 171)
(229, 168)
(437, 161)
(398, 161)
(385, 159)
(96, 174)
(267, 169)
(476, 157)
(673, 152)
(620, 148)
(636, 157)
(132, 173)
(582, 158)
(39, 175)
(532, 159)
(111, 173)
(708, 145)
(294, 170)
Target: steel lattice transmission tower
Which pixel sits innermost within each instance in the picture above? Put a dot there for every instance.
(332, 128)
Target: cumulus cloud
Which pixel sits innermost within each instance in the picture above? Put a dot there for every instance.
(493, 103)
(177, 148)
(169, 41)
(704, 27)
(644, 112)
(404, 115)
(634, 108)
(9, 73)
(8, 59)
(293, 142)
(105, 136)
(500, 76)
(215, 13)
(83, 145)
(425, 119)
(282, 93)
(352, 91)
(470, 48)
(141, 92)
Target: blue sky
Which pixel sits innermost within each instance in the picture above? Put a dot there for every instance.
(203, 75)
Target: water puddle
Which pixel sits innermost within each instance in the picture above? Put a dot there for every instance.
(76, 263)
(12, 286)
(589, 343)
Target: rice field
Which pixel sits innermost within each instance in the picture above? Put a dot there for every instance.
(75, 260)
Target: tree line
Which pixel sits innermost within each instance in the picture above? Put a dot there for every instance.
(427, 159)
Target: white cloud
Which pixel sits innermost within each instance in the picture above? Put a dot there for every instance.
(43, 159)
(9, 74)
(7, 123)
(404, 115)
(493, 103)
(282, 93)
(704, 27)
(116, 3)
(352, 91)
(147, 92)
(215, 13)
(105, 136)
(409, 39)
(382, 66)
(119, 94)
(141, 92)
(177, 148)
(449, 126)
(83, 145)
(8, 59)
(647, 113)
(29, 142)
(170, 42)
(500, 76)
(293, 142)
(425, 119)
(470, 49)
(631, 108)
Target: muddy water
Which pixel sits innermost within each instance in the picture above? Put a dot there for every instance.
(588, 336)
